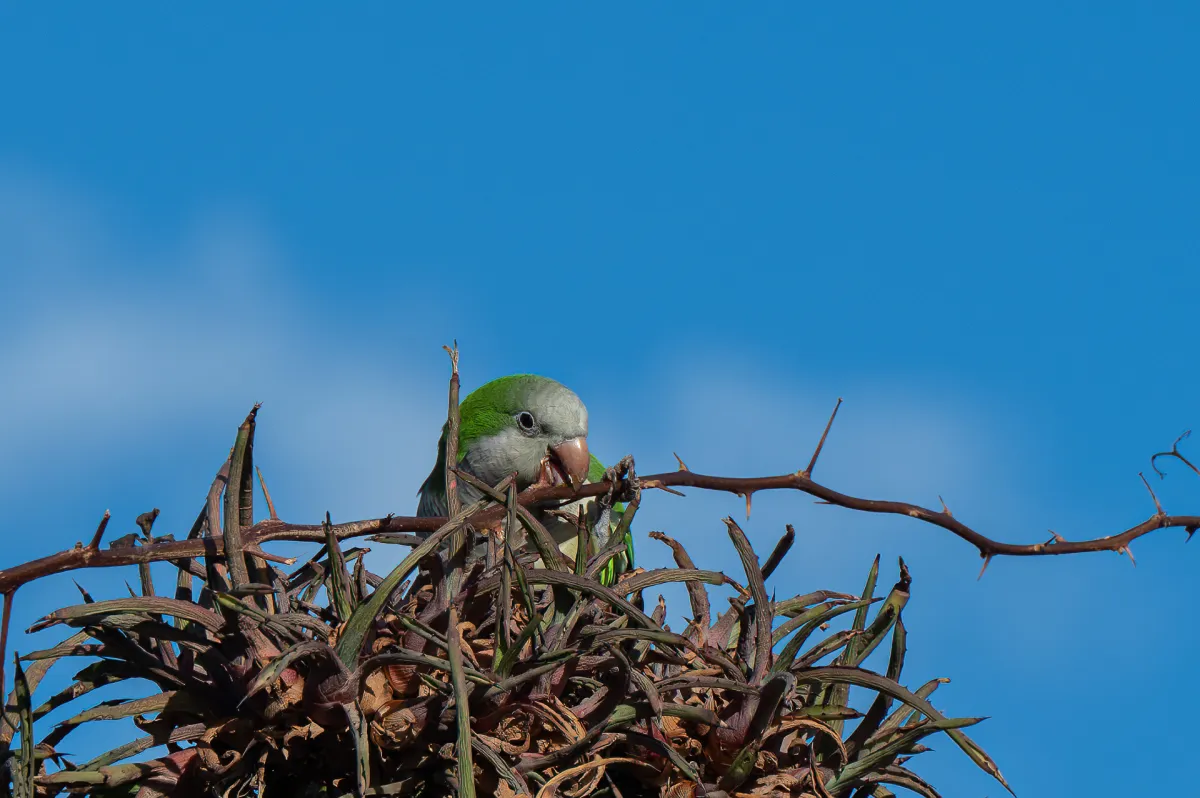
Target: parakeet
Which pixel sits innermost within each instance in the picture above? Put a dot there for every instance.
(537, 428)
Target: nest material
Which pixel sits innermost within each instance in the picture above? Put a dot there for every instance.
(483, 675)
(572, 688)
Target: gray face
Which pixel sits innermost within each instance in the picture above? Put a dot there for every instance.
(538, 414)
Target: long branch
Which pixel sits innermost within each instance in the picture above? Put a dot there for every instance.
(264, 531)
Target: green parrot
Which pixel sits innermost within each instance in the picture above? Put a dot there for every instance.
(537, 428)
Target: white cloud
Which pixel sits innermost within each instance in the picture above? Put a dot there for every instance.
(109, 333)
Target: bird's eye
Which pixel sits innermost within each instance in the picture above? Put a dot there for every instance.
(525, 420)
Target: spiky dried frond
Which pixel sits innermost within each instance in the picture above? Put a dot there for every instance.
(468, 670)
(330, 680)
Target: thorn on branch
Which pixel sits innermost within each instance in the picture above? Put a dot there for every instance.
(1128, 551)
(1054, 538)
(95, 544)
(262, 483)
(682, 465)
(655, 483)
(257, 552)
(807, 472)
(987, 558)
(945, 509)
(1157, 507)
(747, 496)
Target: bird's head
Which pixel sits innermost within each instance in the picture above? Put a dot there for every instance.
(526, 424)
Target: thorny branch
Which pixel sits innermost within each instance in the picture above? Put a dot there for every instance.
(91, 556)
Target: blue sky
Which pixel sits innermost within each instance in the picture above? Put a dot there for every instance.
(977, 226)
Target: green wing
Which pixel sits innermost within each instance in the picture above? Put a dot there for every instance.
(596, 469)
(621, 563)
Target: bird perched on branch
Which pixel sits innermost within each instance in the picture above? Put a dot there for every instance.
(536, 428)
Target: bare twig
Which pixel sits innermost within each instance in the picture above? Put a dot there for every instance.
(1174, 453)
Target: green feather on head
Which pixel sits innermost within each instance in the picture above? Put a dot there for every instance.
(536, 428)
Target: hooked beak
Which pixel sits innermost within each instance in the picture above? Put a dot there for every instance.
(570, 458)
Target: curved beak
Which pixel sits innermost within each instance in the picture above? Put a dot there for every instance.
(571, 459)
